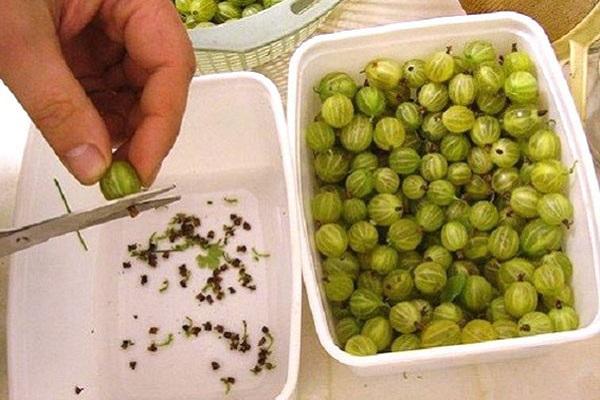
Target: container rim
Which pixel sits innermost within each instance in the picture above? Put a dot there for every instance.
(572, 124)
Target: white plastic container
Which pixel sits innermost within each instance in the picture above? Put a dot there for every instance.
(349, 52)
(69, 310)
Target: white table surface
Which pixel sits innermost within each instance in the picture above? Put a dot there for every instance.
(569, 373)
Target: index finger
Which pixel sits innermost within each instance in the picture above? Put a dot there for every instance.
(158, 47)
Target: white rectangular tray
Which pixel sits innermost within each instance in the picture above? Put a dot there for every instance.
(349, 52)
(69, 310)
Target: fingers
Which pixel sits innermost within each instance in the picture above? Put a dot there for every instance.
(159, 56)
(39, 77)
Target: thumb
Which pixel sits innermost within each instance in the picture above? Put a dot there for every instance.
(39, 77)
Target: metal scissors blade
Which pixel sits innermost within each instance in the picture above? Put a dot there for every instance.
(21, 238)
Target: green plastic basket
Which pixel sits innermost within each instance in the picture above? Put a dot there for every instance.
(259, 39)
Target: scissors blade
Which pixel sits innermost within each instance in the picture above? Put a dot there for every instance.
(27, 236)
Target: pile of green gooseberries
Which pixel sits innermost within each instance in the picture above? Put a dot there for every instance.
(208, 13)
(441, 207)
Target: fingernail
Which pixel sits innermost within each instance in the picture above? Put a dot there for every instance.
(86, 163)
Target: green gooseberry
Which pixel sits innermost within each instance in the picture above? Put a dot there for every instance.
(361, 346)
(535, 323)
(438, 254)
(430, 278)
(405, 317)
(544, 145)
(477, 248)
(433, 96)
(549, 176)
(409, 260)
(560, 259)
(462, 89)
(385, 209)
(226, 11)
(370, 101)
(383, 73)
(518, 61)
(337, 110)
(362, 237)
(336, 83)
(357, 135)
(338, 287)
(386, 180)
(509, 217)
(548, 279)
(410, 115)
(439, 67)
(340, 310)
(412, 141)
(379, 330)
(331, 240)
(521, 87)
(370, 280)
(483, 216)
(479, 160)
(460, 65)
(434, 166)
(441, 192)
(491, 104)
(430, 217)
(490, 78)
(340, 191)
(477, 293)
(459, 173)
(320, 136)
(414, 187)
(521, 121)
(397, 95)
(504, 180)
(458, 119)
(414, 73)
(477, 189)
(490, 271)
(347, 264)
(564, 318)
(354, 210)
(464, 267)
(389, 133)
(345, 329)
(425, 309)
(440, 332)
(477, 52)
(406, 342)
(384, 259)
(505, 153)
(555, 209)
(524, 200)
(326, 207)
(477, 331)
(120, 180)
(365, 304)
(404, 160)
(458, 210)
(200, 10)
(520, 298)
(433, 128)
(506, 329)
(360, 183)
(503, 243)
(454, 236)
(405, 234)
(365, 160)
(252, 9)
(563, 297)
(486, 130)
(497, 310)
(450, 312)
(398, 285)
(538, 238)
(514, 270)
(455, 147)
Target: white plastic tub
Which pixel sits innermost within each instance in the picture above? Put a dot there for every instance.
(69, 310)
(349, 52)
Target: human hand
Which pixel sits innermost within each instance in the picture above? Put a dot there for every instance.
(98, 74)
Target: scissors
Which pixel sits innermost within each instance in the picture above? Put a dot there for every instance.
(13, 240)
